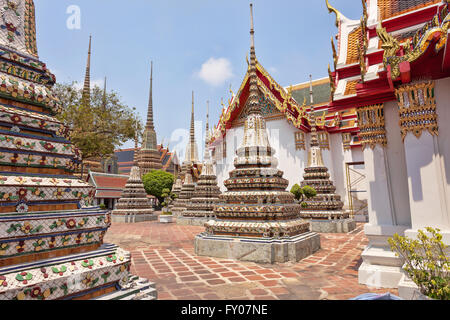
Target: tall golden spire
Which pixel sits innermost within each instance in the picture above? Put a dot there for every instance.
(192, 132)
(206, 153)
(253, 99)
(312, 116)
(149, 141)
(315, 158)
(86, 96)
(104, 95)
(150, 124)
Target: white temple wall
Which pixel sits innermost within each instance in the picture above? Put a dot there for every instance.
(428, 163)
(291, 161)
(338, 160)
(443, 111)
(397, 165)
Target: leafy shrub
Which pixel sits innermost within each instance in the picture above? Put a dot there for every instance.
(425, 262)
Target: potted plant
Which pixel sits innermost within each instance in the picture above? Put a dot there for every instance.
(426, 262)
(302, 194)
(166, 216)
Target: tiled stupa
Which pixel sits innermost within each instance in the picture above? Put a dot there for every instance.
(186, 193)
(51, 240)
(325, 210)
(200, 208)
(134, 205)
(176, 189)
(149, 156)
(257, 219)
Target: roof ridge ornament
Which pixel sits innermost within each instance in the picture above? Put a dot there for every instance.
(331, 9)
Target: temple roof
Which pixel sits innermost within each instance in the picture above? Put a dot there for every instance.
(392, 8)
(271, 90)
(321, 91)
(390, 32)
(107, 185)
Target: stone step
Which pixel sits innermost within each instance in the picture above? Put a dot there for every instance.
(141, 289)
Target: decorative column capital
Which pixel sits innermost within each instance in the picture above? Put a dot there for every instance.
(372, 126)
(417, 108)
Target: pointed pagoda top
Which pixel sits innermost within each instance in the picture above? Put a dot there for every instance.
(86, 96)
(312, 115)
(104, 95)
(206, 155)
(192, 131)
(253, 99)
(150, 124)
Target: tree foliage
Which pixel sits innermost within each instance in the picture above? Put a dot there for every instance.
(302, 194)
(155, 183)
(102, 126)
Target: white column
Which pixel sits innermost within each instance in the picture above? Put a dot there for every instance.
(427, 185)
(380, 267)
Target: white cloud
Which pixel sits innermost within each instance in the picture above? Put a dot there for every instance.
(97, 82)
(216, 71)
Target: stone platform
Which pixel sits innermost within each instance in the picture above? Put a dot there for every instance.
(258, 250)
(333, 226)
(133, 218)
(192, 221)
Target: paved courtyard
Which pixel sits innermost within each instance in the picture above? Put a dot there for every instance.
(164, 253)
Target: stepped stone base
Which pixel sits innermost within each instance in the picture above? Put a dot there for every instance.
(361, 218)
(258, 250)
(133, 217)
(192, 221)
(333, 226)
(139, 289)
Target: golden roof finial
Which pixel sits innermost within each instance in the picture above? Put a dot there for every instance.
(336, 12)
(335, 57)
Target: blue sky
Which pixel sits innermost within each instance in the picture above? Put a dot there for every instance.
(197, 45)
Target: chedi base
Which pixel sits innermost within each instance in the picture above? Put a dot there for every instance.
(258, 250)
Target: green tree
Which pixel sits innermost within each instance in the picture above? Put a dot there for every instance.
(156, 181)
(102, 126)
(302, 194)
(296, 190)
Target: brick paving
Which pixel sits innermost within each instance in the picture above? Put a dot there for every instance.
(164, 254)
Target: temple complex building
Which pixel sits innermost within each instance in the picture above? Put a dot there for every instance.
(108, 188)
(393, 65)
(256, 218)
(287, 117)
(51, 237)
(149, 157)
(168, 159)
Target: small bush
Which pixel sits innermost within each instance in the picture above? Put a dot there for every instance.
(425, 262)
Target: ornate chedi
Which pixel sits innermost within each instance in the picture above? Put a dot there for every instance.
(149, 156)
(176, 189)
(134, 205)
(51, 240)
(200, 208)
(186, 192)
(191, 163)
(326, 205)
(257, 219)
